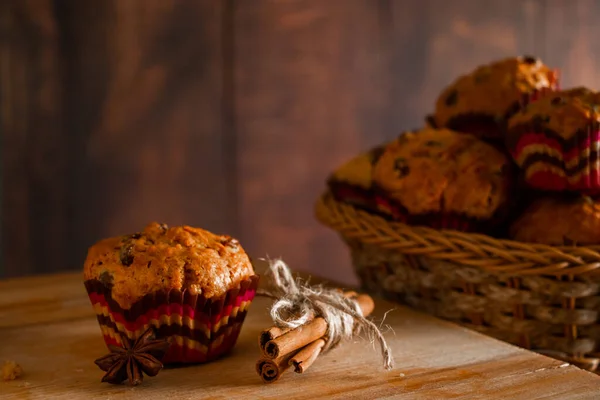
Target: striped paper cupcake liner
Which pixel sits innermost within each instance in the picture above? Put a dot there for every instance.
(550, 162)
(200, 329)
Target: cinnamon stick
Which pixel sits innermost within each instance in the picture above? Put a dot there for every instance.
(270, 370)
(297, 338)
(270, 334)
(307, 356)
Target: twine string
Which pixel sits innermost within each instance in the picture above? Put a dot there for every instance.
(296, 303)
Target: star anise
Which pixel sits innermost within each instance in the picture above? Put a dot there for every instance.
(136, 356)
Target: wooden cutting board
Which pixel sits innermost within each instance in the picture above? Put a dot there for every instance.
(47, 325)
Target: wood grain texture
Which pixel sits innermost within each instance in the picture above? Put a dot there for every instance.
(114, 118)
(434, 359)
(153, 144)
(568, 41)
(34, 153)
(312, 90)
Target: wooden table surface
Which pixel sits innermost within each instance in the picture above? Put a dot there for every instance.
(47, 325)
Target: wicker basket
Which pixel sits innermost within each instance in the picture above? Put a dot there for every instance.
(539, 297)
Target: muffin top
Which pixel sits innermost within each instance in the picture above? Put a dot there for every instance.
(439, 170)
(559, 221)
(359, 170)
(161, 258)
(564, 113)
(493, 89)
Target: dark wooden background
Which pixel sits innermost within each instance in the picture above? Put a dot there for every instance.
(229, 114)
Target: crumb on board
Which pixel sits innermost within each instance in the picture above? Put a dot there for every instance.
(11, 371)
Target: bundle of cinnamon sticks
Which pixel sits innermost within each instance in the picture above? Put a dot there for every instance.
(299, 347)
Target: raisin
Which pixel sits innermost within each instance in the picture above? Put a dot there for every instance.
(540, 119)
(126, 254)
(132, 236)
(557, 101)
(430, 119)
(401, 167)
(106, 278)
(452, 98)
(482, 77)
(403, 138)
(530, 60)
(376, 154)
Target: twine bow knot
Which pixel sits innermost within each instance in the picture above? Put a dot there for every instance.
(296, 303)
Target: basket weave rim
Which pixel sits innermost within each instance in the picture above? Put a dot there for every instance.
(472, 249)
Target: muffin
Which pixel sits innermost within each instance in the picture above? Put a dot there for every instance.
(555, 141)
(352, 182)
(193, 286)
(481, 102)
(558, 221)
(444, 179)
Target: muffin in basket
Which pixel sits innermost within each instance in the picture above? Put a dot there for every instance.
(444, 179)
(556, 141)
(352, 182)
(193, 286)
(558, 221)
(481, 102)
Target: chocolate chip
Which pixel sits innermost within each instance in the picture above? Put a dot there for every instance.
(433, 143)
(530, 60)
(479, 78)
(132, 236)
(452, 98)
(557, 101)
(430, 119)
(540, 119)
(126, 254)
(568, 241)
(376, 153)
(401, 167)
(106, 278)
(403, 138)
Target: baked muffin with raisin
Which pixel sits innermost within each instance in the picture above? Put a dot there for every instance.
(559, 220)
(556, 141)
(191, 285)
(352, 182)
(444, 179)
(481, 102)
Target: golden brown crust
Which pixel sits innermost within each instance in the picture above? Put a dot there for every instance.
(493, 89)
(359, 170)
(559, 221)
(161, 259)
(438, 170)
(565, 113)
